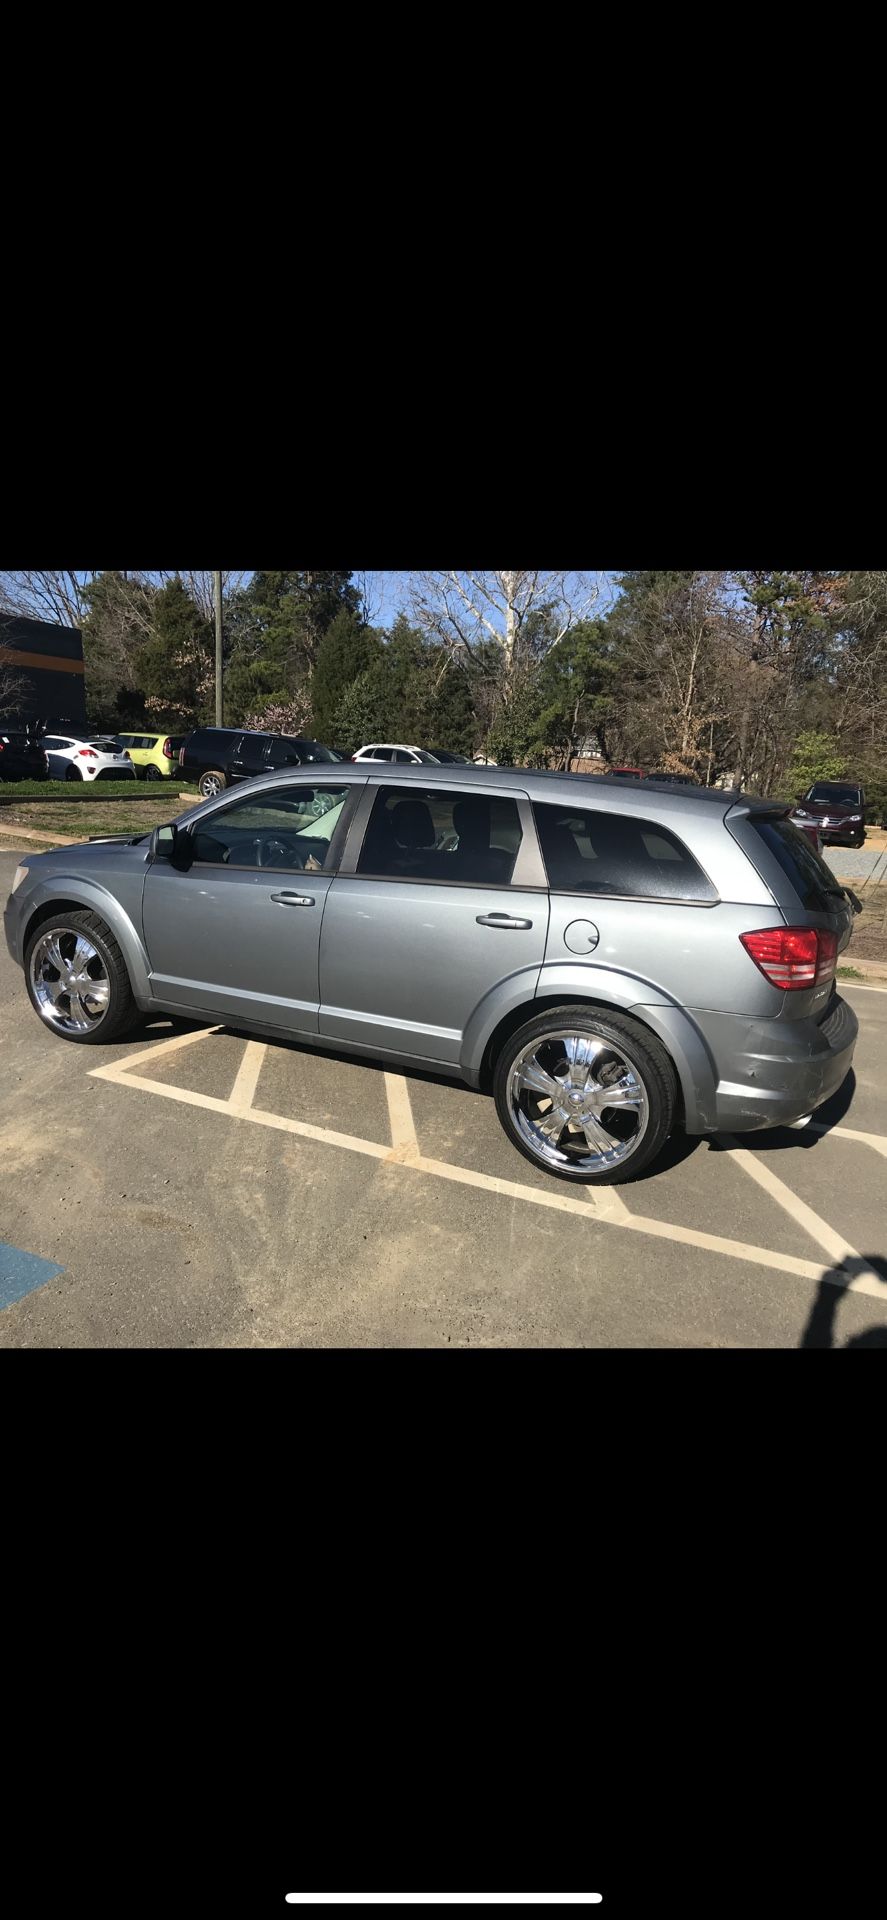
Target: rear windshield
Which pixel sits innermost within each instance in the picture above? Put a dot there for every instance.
(587, 852)
(839, 796)
(813, 882)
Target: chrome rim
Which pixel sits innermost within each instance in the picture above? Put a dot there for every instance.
(210, 786)
(70, 981)
(578, 1102)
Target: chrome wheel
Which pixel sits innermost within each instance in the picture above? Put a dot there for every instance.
(578, 1102)
(70, 981)
(210, 784)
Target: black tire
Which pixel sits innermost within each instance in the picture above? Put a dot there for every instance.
(153, 773)
(122, 1012)
(73, 773)
(212, 774)
(649, 1065)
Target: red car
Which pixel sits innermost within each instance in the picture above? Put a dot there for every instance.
(626, 773)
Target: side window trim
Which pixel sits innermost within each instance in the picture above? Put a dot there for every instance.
(336, 844)
(528, 875)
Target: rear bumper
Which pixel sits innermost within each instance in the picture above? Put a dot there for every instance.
(772, 1072)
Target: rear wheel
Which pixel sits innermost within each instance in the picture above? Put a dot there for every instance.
(585, 1094)
(77, 979)
(73, 773)
(211, 782)
(153, 773)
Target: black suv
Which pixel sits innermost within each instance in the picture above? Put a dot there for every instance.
(22, 757)
(217, 756)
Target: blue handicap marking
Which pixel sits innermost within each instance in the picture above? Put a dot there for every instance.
(21, 1272)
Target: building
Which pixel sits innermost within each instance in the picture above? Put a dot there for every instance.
(41, 666)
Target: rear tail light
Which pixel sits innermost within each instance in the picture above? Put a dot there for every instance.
(793, 957)
(167, 749)
(86, 753)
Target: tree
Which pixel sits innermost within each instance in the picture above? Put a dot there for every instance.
(118, 619)
(60, 598)
(345, 651)
(273, 630)
(177, 666)
(816, 756)
(676, 639)
(15, 686)
(463, 610)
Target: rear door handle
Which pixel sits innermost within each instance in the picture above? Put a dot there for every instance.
(504, 920)
(293, 899)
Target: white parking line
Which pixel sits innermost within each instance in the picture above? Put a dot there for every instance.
(604, 1205)
(244, 1088)
(834, 1244)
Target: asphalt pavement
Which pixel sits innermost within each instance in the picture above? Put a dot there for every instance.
(194, 1187)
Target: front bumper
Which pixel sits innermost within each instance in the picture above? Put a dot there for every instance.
(773, 1072)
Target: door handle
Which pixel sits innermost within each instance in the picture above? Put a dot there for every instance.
(504, 920)
(293, 899)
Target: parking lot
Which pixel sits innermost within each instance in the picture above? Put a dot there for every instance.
(192, 1186)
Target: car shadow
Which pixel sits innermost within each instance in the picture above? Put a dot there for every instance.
(821, 1321)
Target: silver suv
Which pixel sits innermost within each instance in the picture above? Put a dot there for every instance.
(610, 961)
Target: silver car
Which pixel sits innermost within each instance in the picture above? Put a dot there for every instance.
(610, 961)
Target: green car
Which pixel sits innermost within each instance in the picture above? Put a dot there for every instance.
(155, 756)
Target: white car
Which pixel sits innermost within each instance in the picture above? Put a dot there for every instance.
(87, 759)
(405, 756)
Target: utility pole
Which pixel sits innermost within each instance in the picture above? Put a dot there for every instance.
(217, 604)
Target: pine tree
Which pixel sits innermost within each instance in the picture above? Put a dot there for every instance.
(346, 650)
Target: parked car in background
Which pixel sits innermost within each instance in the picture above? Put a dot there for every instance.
(155, 756)
(101, 757)
(609, 963)
(217, 757)
(672, 779)
(401, 755)
(447, 759)
(810, 831)
(625, 773)
(837, 808)
(22, 757)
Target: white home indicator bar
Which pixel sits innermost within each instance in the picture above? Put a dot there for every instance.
(444, 1899)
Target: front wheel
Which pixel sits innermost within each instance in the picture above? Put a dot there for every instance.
(211, 783)
(77, 979)
(585, 1094)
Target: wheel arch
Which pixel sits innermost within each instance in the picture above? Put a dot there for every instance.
(670, 1025)
(95, 900)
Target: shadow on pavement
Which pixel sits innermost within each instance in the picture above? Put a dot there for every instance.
(830, 1114)
(820, 1328)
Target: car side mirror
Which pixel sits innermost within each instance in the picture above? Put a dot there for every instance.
(173, 843)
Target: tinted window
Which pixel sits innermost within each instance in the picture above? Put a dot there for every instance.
(839, 796)
(417, 834)
(813, 882)
(382, 753)
(289, 830)
(402, 758)
(284, 753)
(587, 852)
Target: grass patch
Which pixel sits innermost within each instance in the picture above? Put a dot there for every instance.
(102, 789)
(849, 973)
(82, 819)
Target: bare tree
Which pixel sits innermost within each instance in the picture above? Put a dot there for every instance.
(14, 685)
(60, 598)
(464, 610)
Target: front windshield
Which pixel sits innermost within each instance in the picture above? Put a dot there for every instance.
(835, 796)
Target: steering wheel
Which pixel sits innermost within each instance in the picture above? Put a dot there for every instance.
(275, 853)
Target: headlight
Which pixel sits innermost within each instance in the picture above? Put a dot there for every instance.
(854, 818)
(800, 814)
(21, 873)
